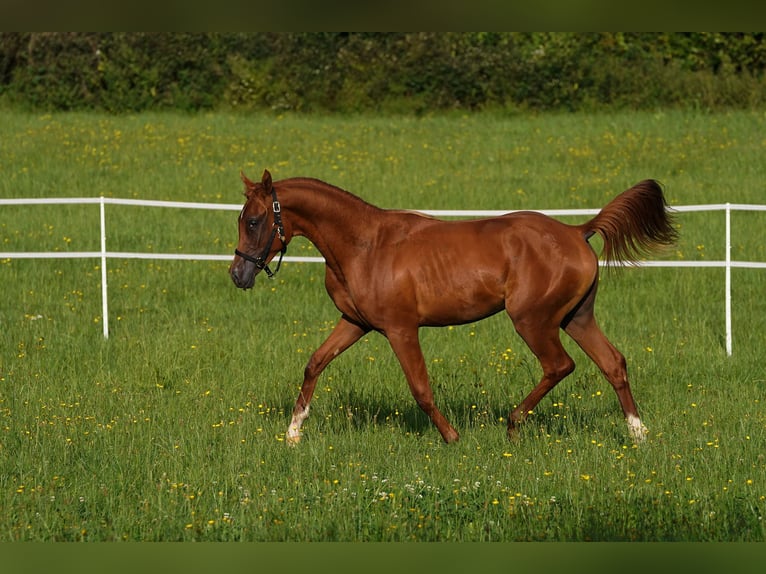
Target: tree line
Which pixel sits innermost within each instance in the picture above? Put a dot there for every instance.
(381, 72)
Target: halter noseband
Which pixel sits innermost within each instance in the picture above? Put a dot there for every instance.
(277, 229)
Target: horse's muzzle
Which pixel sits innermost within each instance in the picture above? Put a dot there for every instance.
(243, 274)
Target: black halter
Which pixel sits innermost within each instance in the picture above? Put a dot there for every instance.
(277, 230)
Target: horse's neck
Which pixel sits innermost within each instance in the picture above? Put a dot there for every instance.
(328, 216)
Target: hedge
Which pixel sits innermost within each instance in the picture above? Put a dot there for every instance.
(381, 72)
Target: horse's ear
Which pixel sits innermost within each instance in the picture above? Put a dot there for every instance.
(266, 181)
(249, 185)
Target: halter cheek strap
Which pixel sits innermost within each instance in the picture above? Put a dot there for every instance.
(277, 230)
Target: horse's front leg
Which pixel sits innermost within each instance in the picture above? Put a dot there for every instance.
(406, 346)
(342, 337)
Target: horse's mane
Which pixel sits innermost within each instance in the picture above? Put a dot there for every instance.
(325, 187)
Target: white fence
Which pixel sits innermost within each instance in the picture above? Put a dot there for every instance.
(103, 254)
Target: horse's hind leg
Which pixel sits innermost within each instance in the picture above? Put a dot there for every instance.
(556, 363)
(585, 331)
(342, 337)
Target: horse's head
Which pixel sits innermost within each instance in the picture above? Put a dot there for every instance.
(261, 233)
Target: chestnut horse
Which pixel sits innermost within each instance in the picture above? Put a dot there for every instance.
(395, 271)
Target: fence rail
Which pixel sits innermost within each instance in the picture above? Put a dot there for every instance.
(728, 264)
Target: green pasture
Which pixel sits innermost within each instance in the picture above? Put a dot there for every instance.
(173, 427)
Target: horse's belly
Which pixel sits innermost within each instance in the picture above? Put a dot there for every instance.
(448, 305)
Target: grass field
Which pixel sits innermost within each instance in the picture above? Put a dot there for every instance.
(173, 428)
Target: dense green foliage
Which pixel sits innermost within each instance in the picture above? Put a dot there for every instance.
(411, 72)
(173, 428)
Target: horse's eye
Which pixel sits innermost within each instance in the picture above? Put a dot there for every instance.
(252, 223)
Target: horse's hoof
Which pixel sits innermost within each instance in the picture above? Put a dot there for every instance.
(512, 433)
(451, 436)
(293, 440)
(637, 430)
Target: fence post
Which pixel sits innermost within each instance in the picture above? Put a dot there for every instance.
(104, 303)
(728, 280)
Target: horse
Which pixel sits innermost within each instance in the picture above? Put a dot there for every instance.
(394, 271)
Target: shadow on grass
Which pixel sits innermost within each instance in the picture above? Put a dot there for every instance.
(364, 414)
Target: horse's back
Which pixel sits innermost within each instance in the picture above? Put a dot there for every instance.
(512, 236)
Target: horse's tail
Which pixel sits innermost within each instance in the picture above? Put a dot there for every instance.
(633, 224)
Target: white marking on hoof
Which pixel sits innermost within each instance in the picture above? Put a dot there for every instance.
(293, 432)
(637, 430)
(293, 439)
(293, 435)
